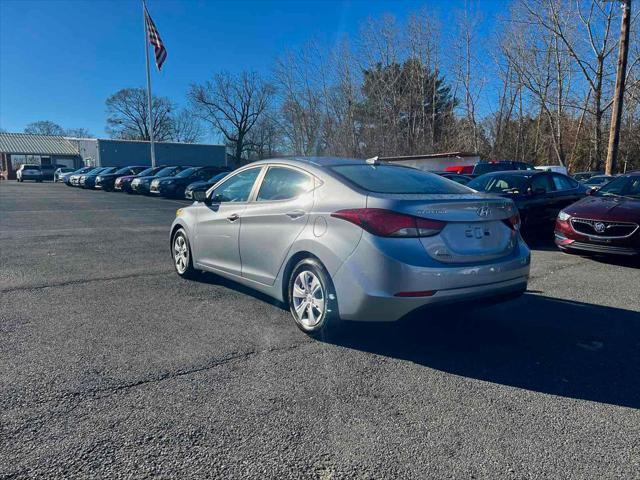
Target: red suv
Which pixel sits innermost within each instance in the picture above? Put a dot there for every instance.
(606, 221)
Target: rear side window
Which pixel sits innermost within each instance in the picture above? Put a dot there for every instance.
(392, 179)
(542, 182)
(563, 183)
(282, 183)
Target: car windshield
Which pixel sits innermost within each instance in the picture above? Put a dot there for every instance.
(123, 171)
(627, 186)
(394, 179)
(147, 172)
(166, 171)
(108, 170)
(503, 183)
(217, 177)
(597, 180)
(187, 173)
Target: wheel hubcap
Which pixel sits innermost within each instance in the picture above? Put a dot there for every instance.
(308, 299)
(180, 254)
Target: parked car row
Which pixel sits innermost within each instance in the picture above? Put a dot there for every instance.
(166, 181)
(605, 219)
(40, 173)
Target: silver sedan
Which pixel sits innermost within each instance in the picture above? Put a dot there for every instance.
(351, 239)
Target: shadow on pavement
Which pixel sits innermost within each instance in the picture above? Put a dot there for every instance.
(559, 347)
(538, 343)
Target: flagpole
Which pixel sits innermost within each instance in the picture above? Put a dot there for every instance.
(149, 103)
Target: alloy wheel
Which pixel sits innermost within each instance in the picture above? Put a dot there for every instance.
(181, 254)
(308, 299)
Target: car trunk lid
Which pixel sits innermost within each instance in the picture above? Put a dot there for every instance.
(477, 226)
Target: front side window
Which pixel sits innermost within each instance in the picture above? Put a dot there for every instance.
(281, 183)
(237, 188)
(392, 179)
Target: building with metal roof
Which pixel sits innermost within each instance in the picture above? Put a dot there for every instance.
(19, 148)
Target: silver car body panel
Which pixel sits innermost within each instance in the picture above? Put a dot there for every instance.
(262, 244)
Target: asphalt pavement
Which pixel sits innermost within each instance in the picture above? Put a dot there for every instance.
(111, 366)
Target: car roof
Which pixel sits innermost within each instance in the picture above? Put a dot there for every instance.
(318, 161)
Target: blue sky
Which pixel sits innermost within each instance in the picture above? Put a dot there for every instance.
(60, 59)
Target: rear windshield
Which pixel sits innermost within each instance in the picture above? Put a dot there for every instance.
(31, 167)
(394, 179)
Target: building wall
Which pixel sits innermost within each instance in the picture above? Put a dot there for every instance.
(88, 149)
(123, 153)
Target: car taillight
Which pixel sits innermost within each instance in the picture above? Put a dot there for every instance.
(513, 222)
(386, 223)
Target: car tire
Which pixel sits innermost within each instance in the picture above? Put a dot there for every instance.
(181, 255)
(312, 298)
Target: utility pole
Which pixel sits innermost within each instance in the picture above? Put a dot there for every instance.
(616, 114)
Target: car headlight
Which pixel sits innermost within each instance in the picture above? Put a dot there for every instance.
(563, 216)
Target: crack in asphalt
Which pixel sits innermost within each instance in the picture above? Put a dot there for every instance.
(85, 280)
(96, 393)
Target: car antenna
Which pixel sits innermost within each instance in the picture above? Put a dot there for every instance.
(373, 161)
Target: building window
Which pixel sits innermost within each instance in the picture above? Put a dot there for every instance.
(17, 161)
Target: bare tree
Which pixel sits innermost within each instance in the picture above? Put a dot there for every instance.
(585, 33)
(44, 127)
(232, 105)
(299, 78)
(78, 133)
(186, 127)
(128, 117)
(468, 76)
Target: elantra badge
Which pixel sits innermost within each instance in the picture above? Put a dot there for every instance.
(484, 211)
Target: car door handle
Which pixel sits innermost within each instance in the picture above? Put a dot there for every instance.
(295, 214)
(233, 217)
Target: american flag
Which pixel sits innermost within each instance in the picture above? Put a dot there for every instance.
(155, 40)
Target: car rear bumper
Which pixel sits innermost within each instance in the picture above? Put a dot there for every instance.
(369, 282)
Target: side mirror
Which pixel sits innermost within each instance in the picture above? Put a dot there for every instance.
(591, 191)
(200, 196)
